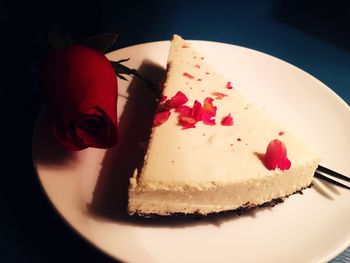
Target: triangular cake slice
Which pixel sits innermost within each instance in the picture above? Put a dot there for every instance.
(201, 167)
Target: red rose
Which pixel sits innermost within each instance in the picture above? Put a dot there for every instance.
(81, 91)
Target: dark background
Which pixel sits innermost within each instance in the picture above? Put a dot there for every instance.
(313, 35)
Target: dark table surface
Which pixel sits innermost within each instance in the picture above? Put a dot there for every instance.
(313, 35)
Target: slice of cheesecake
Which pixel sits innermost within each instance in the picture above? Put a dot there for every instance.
(207, 151)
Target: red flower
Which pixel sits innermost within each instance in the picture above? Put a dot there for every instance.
(81, 91)
(276, 156)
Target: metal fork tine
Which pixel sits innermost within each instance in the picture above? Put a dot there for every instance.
(330, 172)
(325, 178)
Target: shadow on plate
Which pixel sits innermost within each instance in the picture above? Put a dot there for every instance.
(111, 191)
(325, 189)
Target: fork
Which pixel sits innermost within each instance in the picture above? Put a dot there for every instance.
(322, 171)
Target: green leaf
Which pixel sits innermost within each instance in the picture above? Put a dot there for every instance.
(122, 77)
(101, 42)
(121, 69)
(123, 60)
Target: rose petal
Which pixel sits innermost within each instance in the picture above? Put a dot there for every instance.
(187, 122)
(187, 75)
(209, 111)
(89, 128)
(190, 116)
(184, 110)
(197, 111)
(218, 95)
(177, 100)
(227, 120)
(208, 105)
(229, 85)
(161, 117)
(276, 156)
(208, 119)
(93, 128)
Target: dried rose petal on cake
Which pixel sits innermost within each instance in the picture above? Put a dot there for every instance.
(276, 156)
(163, 98)
(218, 95)
(161, 117)
(184, 110)
(187, 75)
(197, 111)
(188, 117)
(227, 120)
(208, 106)
(209, 111)
(187, 122)
(177, 100)
(229, 85)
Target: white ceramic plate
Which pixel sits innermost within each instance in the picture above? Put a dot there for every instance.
(89, 188)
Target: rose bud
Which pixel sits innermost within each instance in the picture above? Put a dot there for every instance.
(81, 89)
